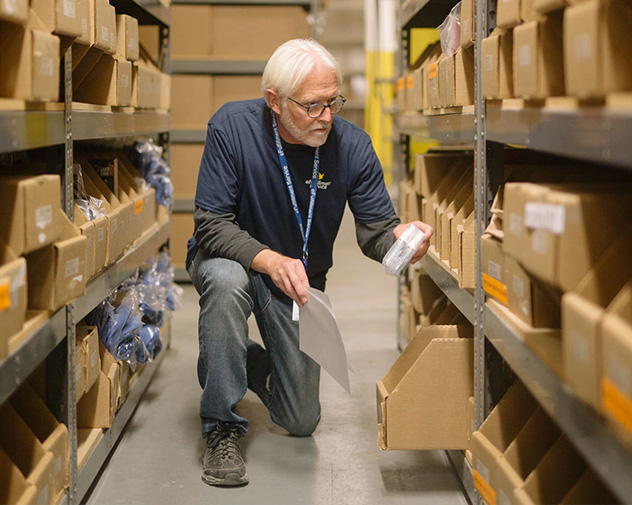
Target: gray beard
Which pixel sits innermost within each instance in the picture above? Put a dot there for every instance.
(306, 137)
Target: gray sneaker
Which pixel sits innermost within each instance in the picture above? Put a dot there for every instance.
(222, 464)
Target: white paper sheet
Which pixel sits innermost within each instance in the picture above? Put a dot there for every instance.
(320, 337)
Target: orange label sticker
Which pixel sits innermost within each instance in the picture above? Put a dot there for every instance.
(410, 82)
(400, 83)
(617, 404)
(432, 71)
(138, 207)
(486, 491)
(5, 294)
(495, 288)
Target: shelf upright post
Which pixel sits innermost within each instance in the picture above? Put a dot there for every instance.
(68, 197)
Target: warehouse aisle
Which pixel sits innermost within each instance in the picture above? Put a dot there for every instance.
(158, 460)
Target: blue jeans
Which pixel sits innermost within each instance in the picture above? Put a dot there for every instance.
(229, 362)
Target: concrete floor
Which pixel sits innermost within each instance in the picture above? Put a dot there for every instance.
(158, 459)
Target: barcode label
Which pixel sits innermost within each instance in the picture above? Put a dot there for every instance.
(545, 216)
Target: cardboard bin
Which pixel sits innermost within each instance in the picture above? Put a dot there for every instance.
(420, 407)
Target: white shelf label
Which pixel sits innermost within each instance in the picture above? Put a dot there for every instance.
(545, 216)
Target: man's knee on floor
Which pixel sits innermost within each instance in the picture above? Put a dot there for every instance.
(300, 426)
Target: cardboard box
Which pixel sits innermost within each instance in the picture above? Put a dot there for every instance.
(424, 292)
(546, 6)
(165, 92)
(127, 47)
(433, 84)
(192, 101)
(13, 295)
(449, 180)
(85, 13)
(30, 220)
(15, 489)
(32, 321)
(143, 80)
(122, 374)
(446, 82)
(57, 273)
(418, 407)
(95, 232)
(88, 341)
(59, 16)
(523, 454)
(87, 440)
(187, 23)
(49, 431)
(464, 77)
(468, 30)
(446, 218)
(15, 11)
(417, 91)
(497, 65)
(496, 433)
(588, 489)
(532, 301)
(145, 211)
(109, 82)
(228, 88)
(557, 232)
(29, 64)
(460, 219)
(538, 70)
(267, 28)
(616, 383)
(466, 245)
(441, 234)
(27, 452)
(582, 314)
(560, 468)
(493, 268)
(594, 33)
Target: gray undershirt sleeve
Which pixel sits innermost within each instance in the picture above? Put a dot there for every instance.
(220, 236)
(375, 239)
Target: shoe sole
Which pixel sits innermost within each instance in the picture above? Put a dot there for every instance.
(231, 480)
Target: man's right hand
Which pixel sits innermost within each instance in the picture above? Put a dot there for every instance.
(288, 274)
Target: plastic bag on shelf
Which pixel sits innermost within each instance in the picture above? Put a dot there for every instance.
(147, 157)
(90, 206)
(150, 336)
(450, 31)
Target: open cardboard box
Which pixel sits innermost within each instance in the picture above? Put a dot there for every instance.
(424, 292)
(15, 488)
(28, 221)
(49, 431)
(419, 406)
(445, 215)
(554, 475)
(145, 208)
(524, 452)
(98, 406)
(495, 434)
(582, 314)
(497, 67)
(443, 202)
(97, 247)
(88, 341)
(27, 452)
(57, 273)
(460, 218)
(466, 245)
(588, 489)
(13, 296)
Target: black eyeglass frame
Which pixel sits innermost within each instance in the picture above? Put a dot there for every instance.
(307, 108)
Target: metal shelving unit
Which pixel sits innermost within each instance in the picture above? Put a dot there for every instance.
(425, 13)
(559, 127)
(188, 136)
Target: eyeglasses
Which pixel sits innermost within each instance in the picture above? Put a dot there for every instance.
(316, 110)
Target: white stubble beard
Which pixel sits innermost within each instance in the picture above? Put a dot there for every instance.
(307, 137)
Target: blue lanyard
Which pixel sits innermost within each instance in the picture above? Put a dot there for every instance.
(290, 188)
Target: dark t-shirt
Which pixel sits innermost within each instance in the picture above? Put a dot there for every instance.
(240, 174)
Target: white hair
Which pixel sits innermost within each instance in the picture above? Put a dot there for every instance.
(292, 62)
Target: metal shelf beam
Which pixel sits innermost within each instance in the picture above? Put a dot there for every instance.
(442, 277)
(106, 282)
(89, 125)
(21, 130)
(19, 364)
(101, 452)
(453, 127)
(148, 12)
(306, 3)
(591, 134)
(581, 424)
(211, 66)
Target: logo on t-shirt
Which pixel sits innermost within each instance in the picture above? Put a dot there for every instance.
(321, 184)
